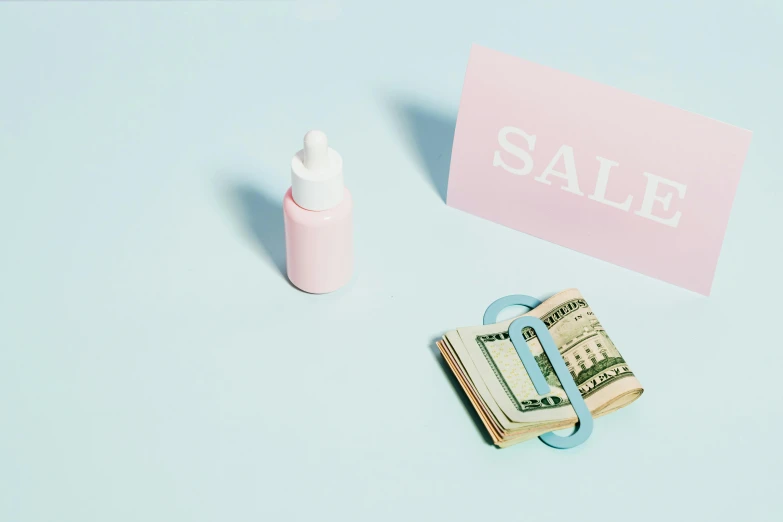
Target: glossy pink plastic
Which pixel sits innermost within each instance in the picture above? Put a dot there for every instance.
(319, 245)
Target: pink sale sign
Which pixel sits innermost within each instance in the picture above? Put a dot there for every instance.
(611, 174)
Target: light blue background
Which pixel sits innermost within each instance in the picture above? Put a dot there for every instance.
(155, 364)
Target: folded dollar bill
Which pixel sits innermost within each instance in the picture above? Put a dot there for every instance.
(488, 367)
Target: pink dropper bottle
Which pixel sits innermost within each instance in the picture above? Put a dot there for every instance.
(318, 214)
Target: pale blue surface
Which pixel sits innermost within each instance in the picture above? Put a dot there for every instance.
(156, 365)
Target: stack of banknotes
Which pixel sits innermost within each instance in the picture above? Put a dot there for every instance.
(488, 367)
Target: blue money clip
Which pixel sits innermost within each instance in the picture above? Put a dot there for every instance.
(584, 426)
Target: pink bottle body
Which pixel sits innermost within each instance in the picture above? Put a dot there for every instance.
(319, 245)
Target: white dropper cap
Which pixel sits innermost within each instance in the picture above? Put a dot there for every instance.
(317, 174)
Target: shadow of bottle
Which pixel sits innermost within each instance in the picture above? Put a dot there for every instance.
(261, 216)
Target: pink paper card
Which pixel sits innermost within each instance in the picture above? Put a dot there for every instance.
(608, 173)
